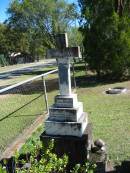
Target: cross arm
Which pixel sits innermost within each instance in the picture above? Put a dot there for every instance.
(70, 52)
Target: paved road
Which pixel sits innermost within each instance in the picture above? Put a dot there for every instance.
(27, 69)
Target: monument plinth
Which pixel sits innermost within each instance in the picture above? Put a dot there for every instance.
(67, 123)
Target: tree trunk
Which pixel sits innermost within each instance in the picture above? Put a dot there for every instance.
(98, 74)
(119, 6)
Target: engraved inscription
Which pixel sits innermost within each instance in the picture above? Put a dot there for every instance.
(65, 101)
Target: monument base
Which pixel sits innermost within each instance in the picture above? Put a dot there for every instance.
(66, 128)
(76, 148)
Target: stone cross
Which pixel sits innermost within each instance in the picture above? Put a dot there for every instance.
(64, 54)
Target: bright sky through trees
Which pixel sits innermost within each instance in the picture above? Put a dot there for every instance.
(4, 5)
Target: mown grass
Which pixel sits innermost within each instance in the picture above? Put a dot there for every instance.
(21, 106)
(109, 114)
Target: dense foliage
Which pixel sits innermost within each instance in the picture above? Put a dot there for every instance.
(106, 31)
(32, 25)
(43, 160)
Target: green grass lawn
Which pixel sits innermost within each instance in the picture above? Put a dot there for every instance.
(21, 106)
(109, 114)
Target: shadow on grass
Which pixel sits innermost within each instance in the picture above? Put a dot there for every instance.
(86, 81)
(37, 72)
(35, 87)
(4, 86)
(92, 81)
(18, 73)
(79, 68)
(18, 109)
(124, 167)
(27, 115)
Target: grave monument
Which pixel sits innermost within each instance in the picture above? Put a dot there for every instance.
(67, 124)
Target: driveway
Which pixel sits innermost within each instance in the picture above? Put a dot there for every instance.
(16, 75)
(28, 68)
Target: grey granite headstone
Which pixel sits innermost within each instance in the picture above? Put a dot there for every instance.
(66, 116)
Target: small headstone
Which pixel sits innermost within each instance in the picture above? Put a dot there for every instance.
(99, 143)
(99, 155)
(116, 90)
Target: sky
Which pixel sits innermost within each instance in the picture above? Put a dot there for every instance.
(4, 5)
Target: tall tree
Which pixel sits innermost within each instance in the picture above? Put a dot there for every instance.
(106, 36)
(3, 40)
(75, 36)
(121, 5)
(41, 20)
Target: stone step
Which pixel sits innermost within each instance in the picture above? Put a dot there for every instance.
(53, 127)
(62, 101)
(66, 114)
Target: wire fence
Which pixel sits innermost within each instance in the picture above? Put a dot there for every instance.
(21, 103)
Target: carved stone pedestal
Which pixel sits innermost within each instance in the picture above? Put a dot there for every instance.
(77, 148)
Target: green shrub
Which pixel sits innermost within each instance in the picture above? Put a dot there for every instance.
(49, 162)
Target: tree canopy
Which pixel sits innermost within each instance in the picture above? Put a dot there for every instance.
(32, 25)
(106, 31)
(38, 21)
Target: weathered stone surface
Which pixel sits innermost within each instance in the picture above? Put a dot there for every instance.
(63, 55)
(64, 76)
(61, 40)
(66, 52)
(99, 143)
(116, 90)
(66, 114)
(66, 128)
(67, 123)
(77, 148)
(66, 101)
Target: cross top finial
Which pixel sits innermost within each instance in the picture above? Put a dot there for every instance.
(62, 50)
(61, 41)
(64, 54)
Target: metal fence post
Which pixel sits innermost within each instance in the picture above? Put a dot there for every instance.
(45, 94)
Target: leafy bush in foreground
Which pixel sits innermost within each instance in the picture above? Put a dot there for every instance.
(43, 160)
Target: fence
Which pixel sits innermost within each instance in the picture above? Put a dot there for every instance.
(21, 103)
